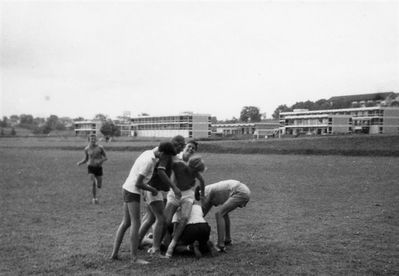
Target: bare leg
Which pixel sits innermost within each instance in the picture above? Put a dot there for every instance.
(121, 232)
(226, 208)
(227, 238)
(185, 213)
(170, 210)
(134, 212)
(94, 184)
(148, 221)
(99, 181)
(157, 208)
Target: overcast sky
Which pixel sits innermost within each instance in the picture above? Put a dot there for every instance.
(82, 58)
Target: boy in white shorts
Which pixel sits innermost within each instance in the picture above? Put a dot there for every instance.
(185, 177)
(230, 194)
(155, 204)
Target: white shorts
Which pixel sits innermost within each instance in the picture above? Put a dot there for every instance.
(187, 195)
(148, 197)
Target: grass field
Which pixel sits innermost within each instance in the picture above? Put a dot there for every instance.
(308, 214)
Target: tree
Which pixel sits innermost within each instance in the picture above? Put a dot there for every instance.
(100, 117)
(26, 121)
(250, 114)
(4, 122)
(78, 119)
(279, 109)
(109, 129)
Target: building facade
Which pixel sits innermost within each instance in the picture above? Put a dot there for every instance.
(187, 124)
(263, 129)
(85, 128)
(368, 120)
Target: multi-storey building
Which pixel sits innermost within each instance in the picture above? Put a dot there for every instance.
(84, 128)
(187, 124)
(370, 120)
(265, 128)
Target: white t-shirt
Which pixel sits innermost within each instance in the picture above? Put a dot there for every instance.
(196, 215)
(144, 165)
(219, 192)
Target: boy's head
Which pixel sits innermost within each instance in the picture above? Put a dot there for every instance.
(190, 148)
(196, 163)
(178, 142)
(167, 148)
(92, 138)
(192, 143)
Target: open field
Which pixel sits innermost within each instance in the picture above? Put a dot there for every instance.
(352, 145)
(308, 214)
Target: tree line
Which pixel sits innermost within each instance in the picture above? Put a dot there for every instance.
(40, 126)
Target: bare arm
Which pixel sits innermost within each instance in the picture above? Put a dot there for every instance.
(202, 183)
(103, 156)
(164, 178)
(85, 159)
(141, 185)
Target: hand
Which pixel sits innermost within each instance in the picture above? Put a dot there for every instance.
(177, 193)
(78, 163)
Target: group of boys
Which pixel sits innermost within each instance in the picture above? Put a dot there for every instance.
(166, 178)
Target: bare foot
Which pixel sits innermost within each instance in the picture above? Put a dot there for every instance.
(114, 257)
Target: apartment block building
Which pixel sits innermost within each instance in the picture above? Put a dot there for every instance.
(84, 128)
(368, 120)
(187, 124)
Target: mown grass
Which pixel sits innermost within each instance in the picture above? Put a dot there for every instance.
(308, 215)
(350, 145)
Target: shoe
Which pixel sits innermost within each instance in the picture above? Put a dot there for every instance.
(196, 250)
(94, 201)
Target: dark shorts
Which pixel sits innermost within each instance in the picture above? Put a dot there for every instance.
(130, 197)
(196, 232)
(97, 171)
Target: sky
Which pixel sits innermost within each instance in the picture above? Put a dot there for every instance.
(81, 58)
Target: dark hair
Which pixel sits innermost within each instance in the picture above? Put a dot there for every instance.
(167, 148)
(196, 163)
(178, 139)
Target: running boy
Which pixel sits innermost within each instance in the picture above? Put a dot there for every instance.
(230, 194)
(138, 179)
(94, 157)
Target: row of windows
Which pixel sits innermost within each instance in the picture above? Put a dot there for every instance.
(365, 113)
(166, 119)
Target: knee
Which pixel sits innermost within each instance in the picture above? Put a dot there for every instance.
(184, 220)
(125, 224)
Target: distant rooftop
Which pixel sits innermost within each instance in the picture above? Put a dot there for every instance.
(364, 97)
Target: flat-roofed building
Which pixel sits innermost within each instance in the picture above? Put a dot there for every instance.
(85, 128)
(369, 120)
(263, 129)
(187, 124)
